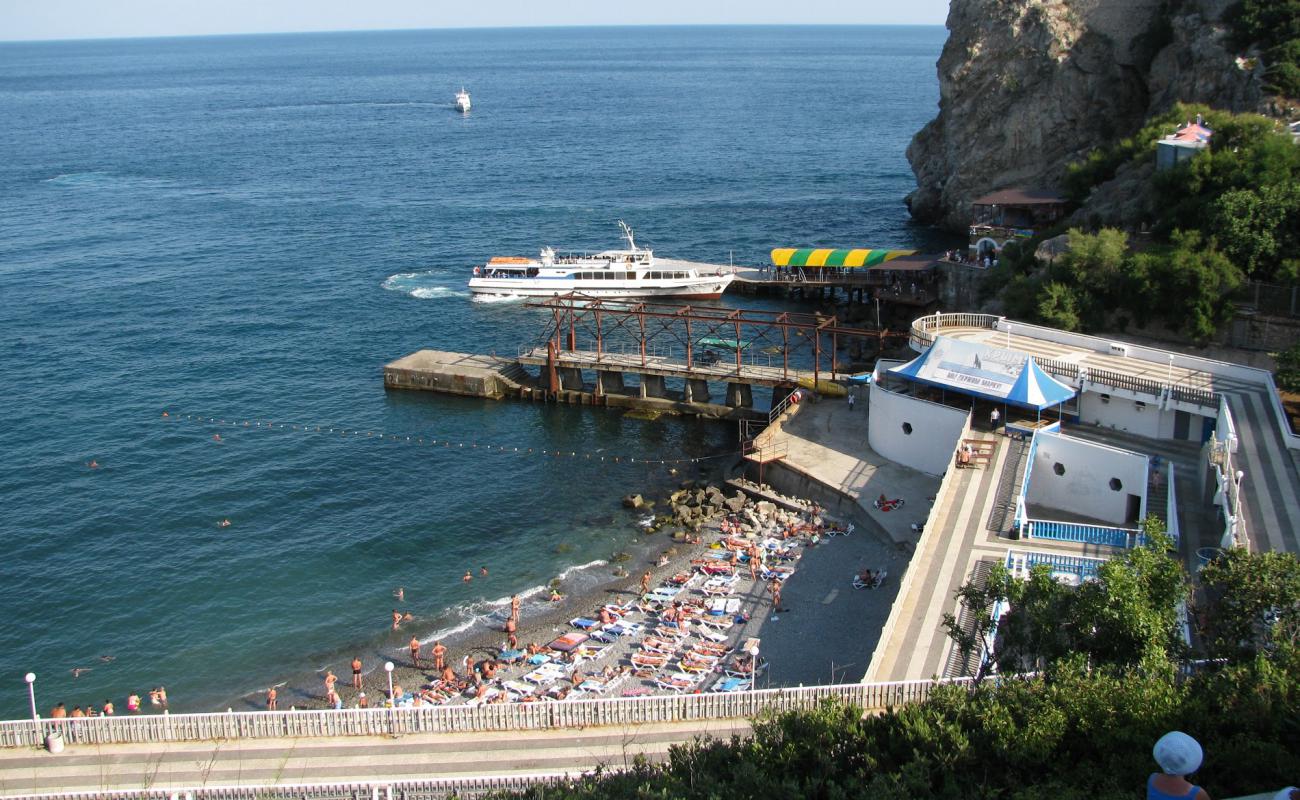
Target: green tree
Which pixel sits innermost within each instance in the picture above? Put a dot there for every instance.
(1288, 368)
(1192, 280)
(1058, 306)
(1252, 603)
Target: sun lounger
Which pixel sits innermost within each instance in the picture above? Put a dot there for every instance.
(877, 580)
(519, 687)
(582, 623)
(661, 596)
(648, 660)
(547, 673)
(568, 642)
(721, 568)
(724, 606)
(717, 623)
(619, 629)
(679, 683)
(710, 649)
(732, 684)
(653, 645)
(739, 668)
(712, 635)
(511, 656)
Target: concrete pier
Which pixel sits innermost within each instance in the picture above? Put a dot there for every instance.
(498, 378)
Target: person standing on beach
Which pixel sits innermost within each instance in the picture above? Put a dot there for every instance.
(645, 583)
(415, 652)
(775, 588)
(271, 694)
(511, 638)
(439, 652)
(330, 679)
(356, 672)
(514, 607)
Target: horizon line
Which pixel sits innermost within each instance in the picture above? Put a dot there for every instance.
(233, 34)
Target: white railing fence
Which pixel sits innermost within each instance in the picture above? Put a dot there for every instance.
(458, 718)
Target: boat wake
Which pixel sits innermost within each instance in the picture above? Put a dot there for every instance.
(426, 285)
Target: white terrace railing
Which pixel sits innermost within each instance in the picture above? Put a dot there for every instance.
(153, 728)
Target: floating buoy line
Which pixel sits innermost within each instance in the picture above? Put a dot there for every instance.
(427, 441)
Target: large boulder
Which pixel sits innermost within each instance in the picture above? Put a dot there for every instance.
(633, 501)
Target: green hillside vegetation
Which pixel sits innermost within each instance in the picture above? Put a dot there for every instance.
(1274, 27)
(1230, 214)
(1112, 680)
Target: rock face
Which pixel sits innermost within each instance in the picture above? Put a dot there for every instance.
(1027, 86)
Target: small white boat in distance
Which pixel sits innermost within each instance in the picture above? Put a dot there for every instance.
(611, 273)
(462, 100)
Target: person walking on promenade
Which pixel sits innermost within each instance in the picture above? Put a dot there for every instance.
(851, 400)
(994, 416)
(271, 694)
(439, 653)
(356, 672)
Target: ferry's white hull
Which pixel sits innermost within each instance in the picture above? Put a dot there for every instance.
(704, 288)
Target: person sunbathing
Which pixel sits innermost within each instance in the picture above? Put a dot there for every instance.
(866, 576)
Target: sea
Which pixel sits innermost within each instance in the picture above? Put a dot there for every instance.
(210, 246)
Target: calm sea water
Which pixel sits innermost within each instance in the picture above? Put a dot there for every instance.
(247, 228)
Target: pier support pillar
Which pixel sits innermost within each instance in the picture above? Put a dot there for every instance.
(740, 395)
(608, 382)
(697, 391)
(653, 386)
(571, 378)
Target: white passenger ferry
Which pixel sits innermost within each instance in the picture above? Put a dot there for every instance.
(612, 273)
(462, 101)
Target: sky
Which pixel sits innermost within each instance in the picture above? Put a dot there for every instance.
(98, 19)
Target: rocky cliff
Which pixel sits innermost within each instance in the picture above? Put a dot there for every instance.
(1027, 86)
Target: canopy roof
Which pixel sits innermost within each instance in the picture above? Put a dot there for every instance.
(826, 257)
(992, 373)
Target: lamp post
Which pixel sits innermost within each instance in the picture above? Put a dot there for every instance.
(1169, 376)
(388, 667)
(31, 698)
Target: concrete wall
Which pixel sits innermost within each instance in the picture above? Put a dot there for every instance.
(913, 432)
(1085, 485)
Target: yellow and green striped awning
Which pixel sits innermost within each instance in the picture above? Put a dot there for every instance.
(827, 257)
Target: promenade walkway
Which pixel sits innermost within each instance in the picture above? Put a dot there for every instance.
(272, 762)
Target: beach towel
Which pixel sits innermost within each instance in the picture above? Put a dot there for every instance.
(568, 641)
